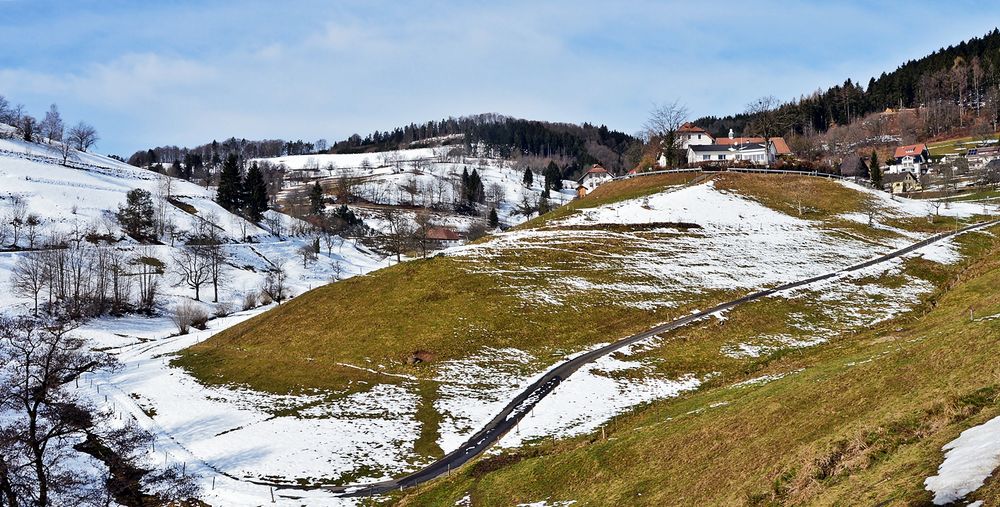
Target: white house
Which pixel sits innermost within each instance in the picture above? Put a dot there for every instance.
(594, 177)
(911, 158)
(754, 153)
(690, 134)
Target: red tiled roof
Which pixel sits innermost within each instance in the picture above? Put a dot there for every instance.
(910, 149)
(442, 234)
(691, 127)
(780, 146)
(596, 169)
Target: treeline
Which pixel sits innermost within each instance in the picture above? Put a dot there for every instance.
(965, 76)
(579, 145)
(576, 146)
(211, 155)
(50, 129)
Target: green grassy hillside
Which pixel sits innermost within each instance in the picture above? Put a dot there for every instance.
(452, 306)
(857, 421)
(511, 306)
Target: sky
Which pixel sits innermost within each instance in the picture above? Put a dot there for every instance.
(151, 73)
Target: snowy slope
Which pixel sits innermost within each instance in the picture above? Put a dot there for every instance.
(434, 171)
(86, 194)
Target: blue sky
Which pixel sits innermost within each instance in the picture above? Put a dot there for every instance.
(151, 73)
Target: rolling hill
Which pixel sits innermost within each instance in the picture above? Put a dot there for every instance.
(484, 320)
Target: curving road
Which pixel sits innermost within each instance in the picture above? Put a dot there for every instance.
(530, 396)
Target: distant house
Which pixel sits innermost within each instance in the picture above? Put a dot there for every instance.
(979, 157)
(581, 191)
(690, 134)
(899, 183)
(911, 158)
(722, 153)
(443, 237)
(780, 146)
(592, 178)
(854, 166)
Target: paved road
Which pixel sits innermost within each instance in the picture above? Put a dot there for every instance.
(529, 397)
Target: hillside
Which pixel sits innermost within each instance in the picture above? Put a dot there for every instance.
(859, 420)
(427, 178)
(484, 320)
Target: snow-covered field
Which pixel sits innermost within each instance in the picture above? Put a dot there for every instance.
(435, 175)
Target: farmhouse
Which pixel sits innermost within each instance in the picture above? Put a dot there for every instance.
(443, 237)
(898, 183)
(592, 178)
(911, 158)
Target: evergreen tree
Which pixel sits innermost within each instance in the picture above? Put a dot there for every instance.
(176, 170)
(543, 203)
(529, 178)
(316, 199)
(136, 216)
(477, 194)
(230, 184)
(876, 171)
(494, 219)
(255, 194)
(553, 176)
(465, 183)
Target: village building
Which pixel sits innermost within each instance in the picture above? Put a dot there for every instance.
(898, 183)
(979, 157)
(779, 145)
(738, 149)
(690, 135)
(591, 179)
(854, 166)
(443, 237)
(911, 158)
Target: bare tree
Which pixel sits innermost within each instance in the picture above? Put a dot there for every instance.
(767, 120)
(4, 228)
(275, 286)
(45, 424)
(411, 188)
(18, 211)
(216, 256)
(32, 223)
(83, 136)
(397, 233)
(662, 125)
(28, 277)
(52, 126)
(41, 414)
(191, 263)
(495, 194)
(421, 234)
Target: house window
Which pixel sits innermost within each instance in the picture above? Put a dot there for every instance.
(706, 157)
(722, 157)
(699, 136)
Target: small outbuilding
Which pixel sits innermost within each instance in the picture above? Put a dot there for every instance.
(854, 166)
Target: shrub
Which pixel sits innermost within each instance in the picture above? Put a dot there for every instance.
(223, 309)
(249, 300)
(189, 314)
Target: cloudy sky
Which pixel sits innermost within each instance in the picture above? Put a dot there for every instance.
(182, 72)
